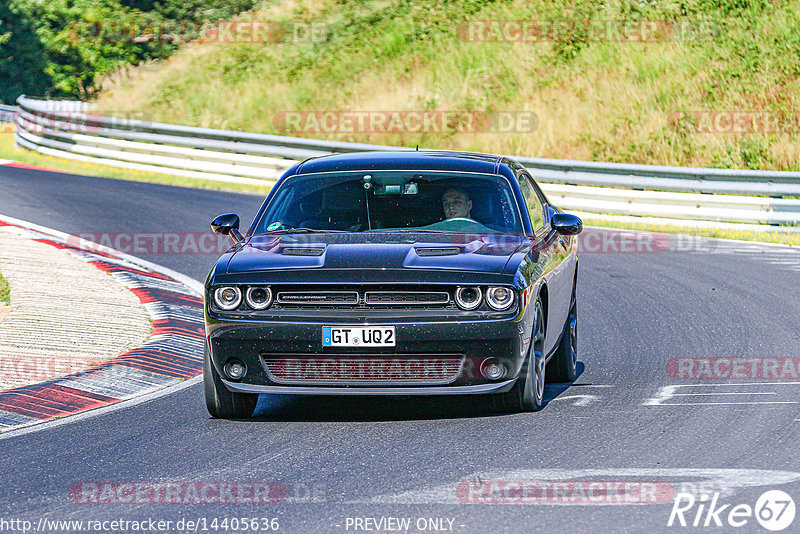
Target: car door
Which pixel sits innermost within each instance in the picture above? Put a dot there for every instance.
(553, 259)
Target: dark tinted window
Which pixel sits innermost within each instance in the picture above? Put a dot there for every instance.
(394, 200)
(534, 203)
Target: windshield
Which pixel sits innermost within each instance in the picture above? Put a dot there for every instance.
(375, 201)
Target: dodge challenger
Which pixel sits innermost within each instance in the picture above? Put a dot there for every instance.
(394, 273)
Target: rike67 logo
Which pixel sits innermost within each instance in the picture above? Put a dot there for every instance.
(774, 510)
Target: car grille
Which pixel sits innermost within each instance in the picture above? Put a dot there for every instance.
(318, 298)
(360, 369)
(406, 297)
(358, 298)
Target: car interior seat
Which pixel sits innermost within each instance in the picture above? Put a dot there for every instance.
(340, 208)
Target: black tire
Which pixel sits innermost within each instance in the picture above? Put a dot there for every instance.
(220, 401)
(563, 365)
(527, 395)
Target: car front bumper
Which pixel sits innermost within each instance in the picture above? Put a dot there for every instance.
(493, 387)
(255, 343)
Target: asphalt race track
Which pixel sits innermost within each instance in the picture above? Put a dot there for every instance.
(349, 459)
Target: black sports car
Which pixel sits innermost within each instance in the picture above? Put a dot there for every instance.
(394, 273)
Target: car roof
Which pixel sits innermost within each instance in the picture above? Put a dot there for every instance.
(406, 160)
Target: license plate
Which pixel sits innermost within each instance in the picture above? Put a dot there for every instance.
(358, 336)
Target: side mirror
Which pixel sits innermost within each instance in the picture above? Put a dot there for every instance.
(227, 224)
(566, 224)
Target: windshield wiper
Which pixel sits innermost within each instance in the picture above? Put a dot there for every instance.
(303, 230)
(419, 230)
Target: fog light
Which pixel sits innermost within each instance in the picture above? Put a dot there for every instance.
(235, 369)
(492, 369)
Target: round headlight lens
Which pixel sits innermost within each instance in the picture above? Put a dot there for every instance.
(259, 297)
(228, 297)
(468, 298)
(500, 298)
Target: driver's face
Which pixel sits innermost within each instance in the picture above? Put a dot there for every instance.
(456, 204)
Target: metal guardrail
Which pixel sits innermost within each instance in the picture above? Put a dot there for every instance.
(69, 130)
(7, 113)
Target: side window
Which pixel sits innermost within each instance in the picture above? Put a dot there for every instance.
(533, 202)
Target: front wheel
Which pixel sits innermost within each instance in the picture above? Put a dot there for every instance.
(527, 395)
(564, 363)
(220, 401)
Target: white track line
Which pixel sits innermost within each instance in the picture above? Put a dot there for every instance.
(787, 383)
(726, 393)
(129, 403)
(666, 393)
(722, 403)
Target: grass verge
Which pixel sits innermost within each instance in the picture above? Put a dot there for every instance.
(5, 292)
(9, 151)
(739, 235)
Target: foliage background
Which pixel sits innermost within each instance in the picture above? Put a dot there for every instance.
(604, 100)
(44, 50)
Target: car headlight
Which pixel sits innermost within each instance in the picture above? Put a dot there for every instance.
(228, 297)
(258, 297)
(499, 298)
(468, 298)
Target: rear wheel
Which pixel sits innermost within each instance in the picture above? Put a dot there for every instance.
(220, 401)
(563, 364)
(527, 395)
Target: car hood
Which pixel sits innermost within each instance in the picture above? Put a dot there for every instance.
(460, 252)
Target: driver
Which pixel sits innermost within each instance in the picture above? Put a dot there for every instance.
(456, 203)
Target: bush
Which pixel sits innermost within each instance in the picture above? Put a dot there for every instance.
(60, 48)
